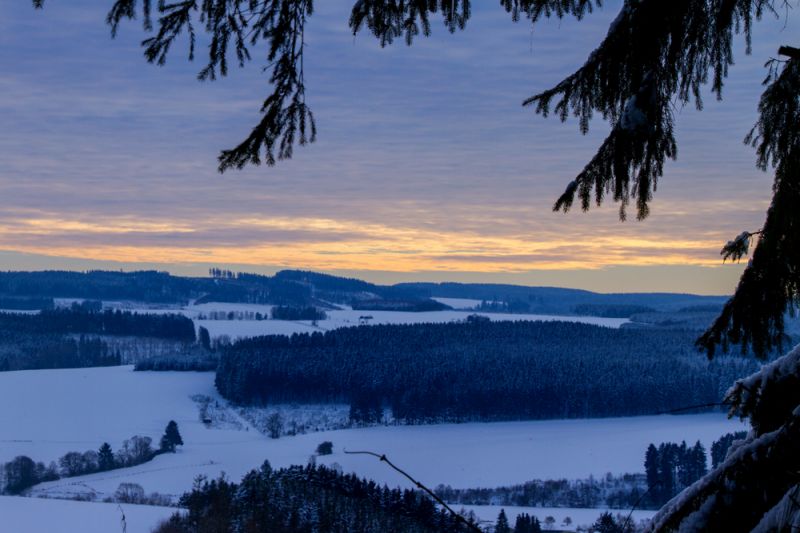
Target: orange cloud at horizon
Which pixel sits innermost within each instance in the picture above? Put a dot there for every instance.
(335, 244)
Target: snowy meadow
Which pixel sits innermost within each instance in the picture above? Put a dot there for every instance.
(78, 409)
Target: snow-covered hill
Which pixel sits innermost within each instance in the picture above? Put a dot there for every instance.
(46, 413)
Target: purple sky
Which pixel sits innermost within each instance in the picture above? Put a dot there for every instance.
(426, 166)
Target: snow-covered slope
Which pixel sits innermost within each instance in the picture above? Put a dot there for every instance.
(347, 317)
(337, 318)
(45, 413)
(39, 515)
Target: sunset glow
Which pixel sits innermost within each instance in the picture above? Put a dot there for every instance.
(108, 159)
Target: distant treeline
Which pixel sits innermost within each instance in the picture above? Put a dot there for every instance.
(669, 468)
(22, 472)
(23, 303)
(118, 323)
(672, 467)
(201, 362)
(479, 371)
(303, 288)
(20, 350)
(610, 492)
(555, 300)
(413, 306)
(286, 312)
(506, 306)
(288, 287)
(149, 286)
(76, 338)
(611, 311)
(310, 498)
(684, 319)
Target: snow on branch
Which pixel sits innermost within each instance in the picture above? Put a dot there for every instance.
(754, 478)
(770, 395)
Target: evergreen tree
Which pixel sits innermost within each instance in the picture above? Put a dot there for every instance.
(720, 447)
(171, 438)
(607, 524)
(699, 461)
(204, 338)
(651, 470)
(502, 523)
(522, 523)
(526, 523)
(105, 457)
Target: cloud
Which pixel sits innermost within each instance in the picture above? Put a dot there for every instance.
(425, 159)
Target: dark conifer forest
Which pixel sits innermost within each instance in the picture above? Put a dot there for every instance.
(77, 337)
(479, 370)
(304, 500)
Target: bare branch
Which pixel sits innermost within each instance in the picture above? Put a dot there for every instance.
(420, 486)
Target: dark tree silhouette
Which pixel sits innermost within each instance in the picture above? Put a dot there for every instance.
(501, 526)
(204, 338)
(311, 498)
(105, 457)
(325, 448)
(171, 438)
(607, 524)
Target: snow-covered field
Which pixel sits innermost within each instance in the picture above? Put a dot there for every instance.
(458, 303)
(337, 318)
(45, 413)
(37, 515)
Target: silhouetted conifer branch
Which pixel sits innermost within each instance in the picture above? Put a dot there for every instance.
(770, 285)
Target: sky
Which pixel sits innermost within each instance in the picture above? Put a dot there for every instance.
(426, 166)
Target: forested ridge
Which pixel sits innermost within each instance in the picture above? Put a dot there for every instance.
(479, 371)
(288, 287)
(35, 290)
(148, 286)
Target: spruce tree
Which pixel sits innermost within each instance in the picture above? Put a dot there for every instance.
(654, 486)
(105, 457)
(699, 461)
(204, 338)
(606, 524)
(502, 523)
(171, 438)
(522, 523)
(526, 523)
